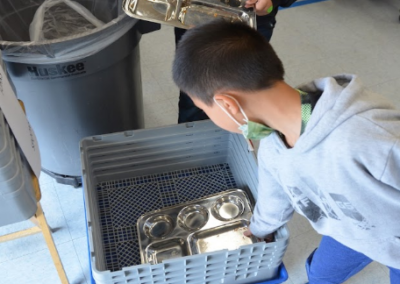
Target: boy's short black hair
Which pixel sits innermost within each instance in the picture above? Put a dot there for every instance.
(220, 56)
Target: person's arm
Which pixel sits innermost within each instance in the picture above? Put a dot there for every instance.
(262, 7)
(265, 7)
(273, 208)
(286, 3)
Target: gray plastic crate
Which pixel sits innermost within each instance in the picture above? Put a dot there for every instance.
(128, 174)
(17, 196)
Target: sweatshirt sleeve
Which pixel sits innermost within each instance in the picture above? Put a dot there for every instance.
(391, 173)
(273, 208)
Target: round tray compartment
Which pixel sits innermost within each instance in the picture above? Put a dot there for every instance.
(159, 226)
(228, 208)
(193, 217)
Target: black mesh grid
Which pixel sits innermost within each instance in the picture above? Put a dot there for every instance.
(122, 202)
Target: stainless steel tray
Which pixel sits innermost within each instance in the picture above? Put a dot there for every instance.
(189, 13)
(210, 224)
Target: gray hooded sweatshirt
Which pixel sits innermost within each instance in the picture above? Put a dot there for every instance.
(343, 174)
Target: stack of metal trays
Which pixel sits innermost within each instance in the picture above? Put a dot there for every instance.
(189, 13)
(206, 225)
(17, 196)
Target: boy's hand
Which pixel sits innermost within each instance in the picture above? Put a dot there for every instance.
(268, 239)
(248, 233)
(262, 7)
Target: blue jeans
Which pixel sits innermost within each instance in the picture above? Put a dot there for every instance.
(188, 112)
(334, 263)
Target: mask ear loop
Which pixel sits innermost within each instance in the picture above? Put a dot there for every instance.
(249, 143)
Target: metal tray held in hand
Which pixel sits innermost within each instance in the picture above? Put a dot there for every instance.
(209, 224)
(189, 13)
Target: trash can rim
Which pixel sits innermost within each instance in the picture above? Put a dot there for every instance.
(5, 43)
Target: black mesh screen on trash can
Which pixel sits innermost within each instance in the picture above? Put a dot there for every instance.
(44, 31)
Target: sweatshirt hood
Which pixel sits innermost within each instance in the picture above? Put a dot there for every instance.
(343, 96)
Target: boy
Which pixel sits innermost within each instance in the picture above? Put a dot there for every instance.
(329, 150)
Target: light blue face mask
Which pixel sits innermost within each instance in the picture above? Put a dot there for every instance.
(250, 129)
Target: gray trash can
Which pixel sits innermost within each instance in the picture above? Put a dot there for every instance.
(73, 85)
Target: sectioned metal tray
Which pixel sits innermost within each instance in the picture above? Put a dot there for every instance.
(189, 13)
(209, 224)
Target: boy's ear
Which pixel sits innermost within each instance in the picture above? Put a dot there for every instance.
(228, 103)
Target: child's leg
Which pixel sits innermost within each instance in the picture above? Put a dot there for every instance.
(394, 276)
(334, 263)
(266, 25)
(188, 112)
